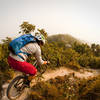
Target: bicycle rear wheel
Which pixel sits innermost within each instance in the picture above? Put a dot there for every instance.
(16, 87)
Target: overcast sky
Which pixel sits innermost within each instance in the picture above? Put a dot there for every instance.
(80, 18)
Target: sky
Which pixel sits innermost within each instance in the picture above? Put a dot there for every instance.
(79, 18)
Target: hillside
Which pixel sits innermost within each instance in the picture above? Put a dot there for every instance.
(78, 56)
(66, 38)
(52, 75)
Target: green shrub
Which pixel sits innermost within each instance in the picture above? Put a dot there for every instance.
(67, 88)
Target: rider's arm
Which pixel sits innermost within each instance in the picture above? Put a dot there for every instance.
(38, 56)
(34, 48)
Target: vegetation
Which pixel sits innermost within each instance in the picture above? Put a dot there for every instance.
(66, 38)
(77, 55)
(5, 72)
(60, 50)
(26, 28)
(67, 88)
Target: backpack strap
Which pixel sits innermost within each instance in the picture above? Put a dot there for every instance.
(20, 57)
(23, 53)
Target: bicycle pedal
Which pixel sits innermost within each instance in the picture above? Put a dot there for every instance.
(27, 82)
(26, 86)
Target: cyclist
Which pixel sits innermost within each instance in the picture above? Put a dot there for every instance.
(19, 62)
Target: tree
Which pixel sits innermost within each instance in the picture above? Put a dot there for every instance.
(82, 48)
(95, 49)
(26, 28)
(42, 31)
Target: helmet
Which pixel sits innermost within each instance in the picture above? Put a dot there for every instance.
(41, 38)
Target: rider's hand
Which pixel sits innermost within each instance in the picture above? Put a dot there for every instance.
(46, 62)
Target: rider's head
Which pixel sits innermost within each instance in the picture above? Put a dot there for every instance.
(40, 39)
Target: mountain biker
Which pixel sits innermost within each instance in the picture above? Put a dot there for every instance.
(19, 62)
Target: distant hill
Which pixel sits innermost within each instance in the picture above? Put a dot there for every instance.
(68, 39)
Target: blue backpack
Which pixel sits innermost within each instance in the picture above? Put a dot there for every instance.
(16, 44)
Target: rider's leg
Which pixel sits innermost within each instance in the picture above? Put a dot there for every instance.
(23, 67)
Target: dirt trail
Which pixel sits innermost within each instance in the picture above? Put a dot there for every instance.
(51, 74)
(61, 72)
(65, 71)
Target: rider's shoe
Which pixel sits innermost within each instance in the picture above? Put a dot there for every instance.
(31, 77)
(27, 83)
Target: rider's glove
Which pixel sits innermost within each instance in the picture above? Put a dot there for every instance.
(46, 62)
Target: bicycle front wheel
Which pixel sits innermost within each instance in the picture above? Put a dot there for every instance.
(42, 69)
(16, 87)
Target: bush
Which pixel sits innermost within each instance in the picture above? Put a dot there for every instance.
(94, 62)
(67, 88)
(61, 88)
(91, 89)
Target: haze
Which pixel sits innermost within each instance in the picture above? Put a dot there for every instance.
(79, 18)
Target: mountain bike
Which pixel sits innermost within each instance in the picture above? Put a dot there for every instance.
(19, 83)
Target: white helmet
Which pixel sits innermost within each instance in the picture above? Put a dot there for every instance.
(41, 38)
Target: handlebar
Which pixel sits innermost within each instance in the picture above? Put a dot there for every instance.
(39, 68)
(35, 63)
